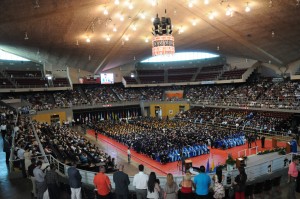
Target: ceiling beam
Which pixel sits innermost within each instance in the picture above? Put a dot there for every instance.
(25, 16)
(231, 33)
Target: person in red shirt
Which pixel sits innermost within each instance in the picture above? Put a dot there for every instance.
(102, 184)
(292, 177)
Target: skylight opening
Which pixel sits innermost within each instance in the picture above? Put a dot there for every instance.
(180, 57)
(8, 56)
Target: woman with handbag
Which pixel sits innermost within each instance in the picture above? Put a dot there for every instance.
(152, 187)
(218, 188)
(239, 184)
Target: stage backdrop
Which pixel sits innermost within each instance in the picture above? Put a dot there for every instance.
(167, 109)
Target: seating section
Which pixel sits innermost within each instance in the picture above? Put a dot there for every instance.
(181, 75)
(32, 83)
(130, 80)
(233, 74)
(208, 73)
(22, 74)
(151, 76)
(61, 82)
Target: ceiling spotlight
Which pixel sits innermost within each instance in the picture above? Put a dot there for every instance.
(88, 40)
(194, 23)
(152, 19)
(134, 27)
(211, 15)
(270, 4)
(228, 11)
(142, 15)
(122, 17)
(36, 5)
(247, 9)
(130, 5)
(153, 2)
(206, 2)
(117, 2)
(180, 30)
(273, 33)
(146, 40)
(105, 12)
(132, 75)
(107, 38)
(26, 36)
(190, 4)
(126, 38)
(115, 29)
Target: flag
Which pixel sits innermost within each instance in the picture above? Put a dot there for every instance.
(207, 166)
(213, 166)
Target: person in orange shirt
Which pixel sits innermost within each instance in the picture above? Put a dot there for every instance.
(102, 184)
(292, 177)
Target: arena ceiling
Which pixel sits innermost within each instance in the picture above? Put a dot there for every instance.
(54, 32)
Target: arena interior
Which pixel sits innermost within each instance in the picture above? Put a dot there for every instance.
(177, 84)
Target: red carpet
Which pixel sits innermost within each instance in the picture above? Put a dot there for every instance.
(216, 156)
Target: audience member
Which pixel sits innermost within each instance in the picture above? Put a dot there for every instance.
(140, 181)
(121, 181)
(171, 188)
(52, 183)
(152, 187)
(102, 184)
(202, 182)
(74, 181)
(239, 184)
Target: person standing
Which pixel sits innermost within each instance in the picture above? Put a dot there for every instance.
(292, 177)
(140, 181)
(6, 149)
(129, 154)
(21, 156)
(102, 184)
(121, 181)
(171, 188)
(32, 178)
(74, 181)
(153, 188)
(263, 141)
(202, 182)
(239, 184)
(96, 135)
(187, 186)
(40, 182)
(219, 191)
(52, 182)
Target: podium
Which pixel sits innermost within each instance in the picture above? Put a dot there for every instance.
(274, 143)
(188, 164)
(240, 162)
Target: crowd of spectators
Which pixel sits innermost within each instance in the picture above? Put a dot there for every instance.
(260, 121)
(69, 146)
(257, 93)
(103, 94)
(69, 98)
(166, 140)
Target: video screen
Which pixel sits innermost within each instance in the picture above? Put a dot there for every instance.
(107, 78)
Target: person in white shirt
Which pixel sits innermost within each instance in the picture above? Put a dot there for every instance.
(40, 182)
(128, 154)
(20, 154)
(140, 181)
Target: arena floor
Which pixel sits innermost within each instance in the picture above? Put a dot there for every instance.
(218, 156)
